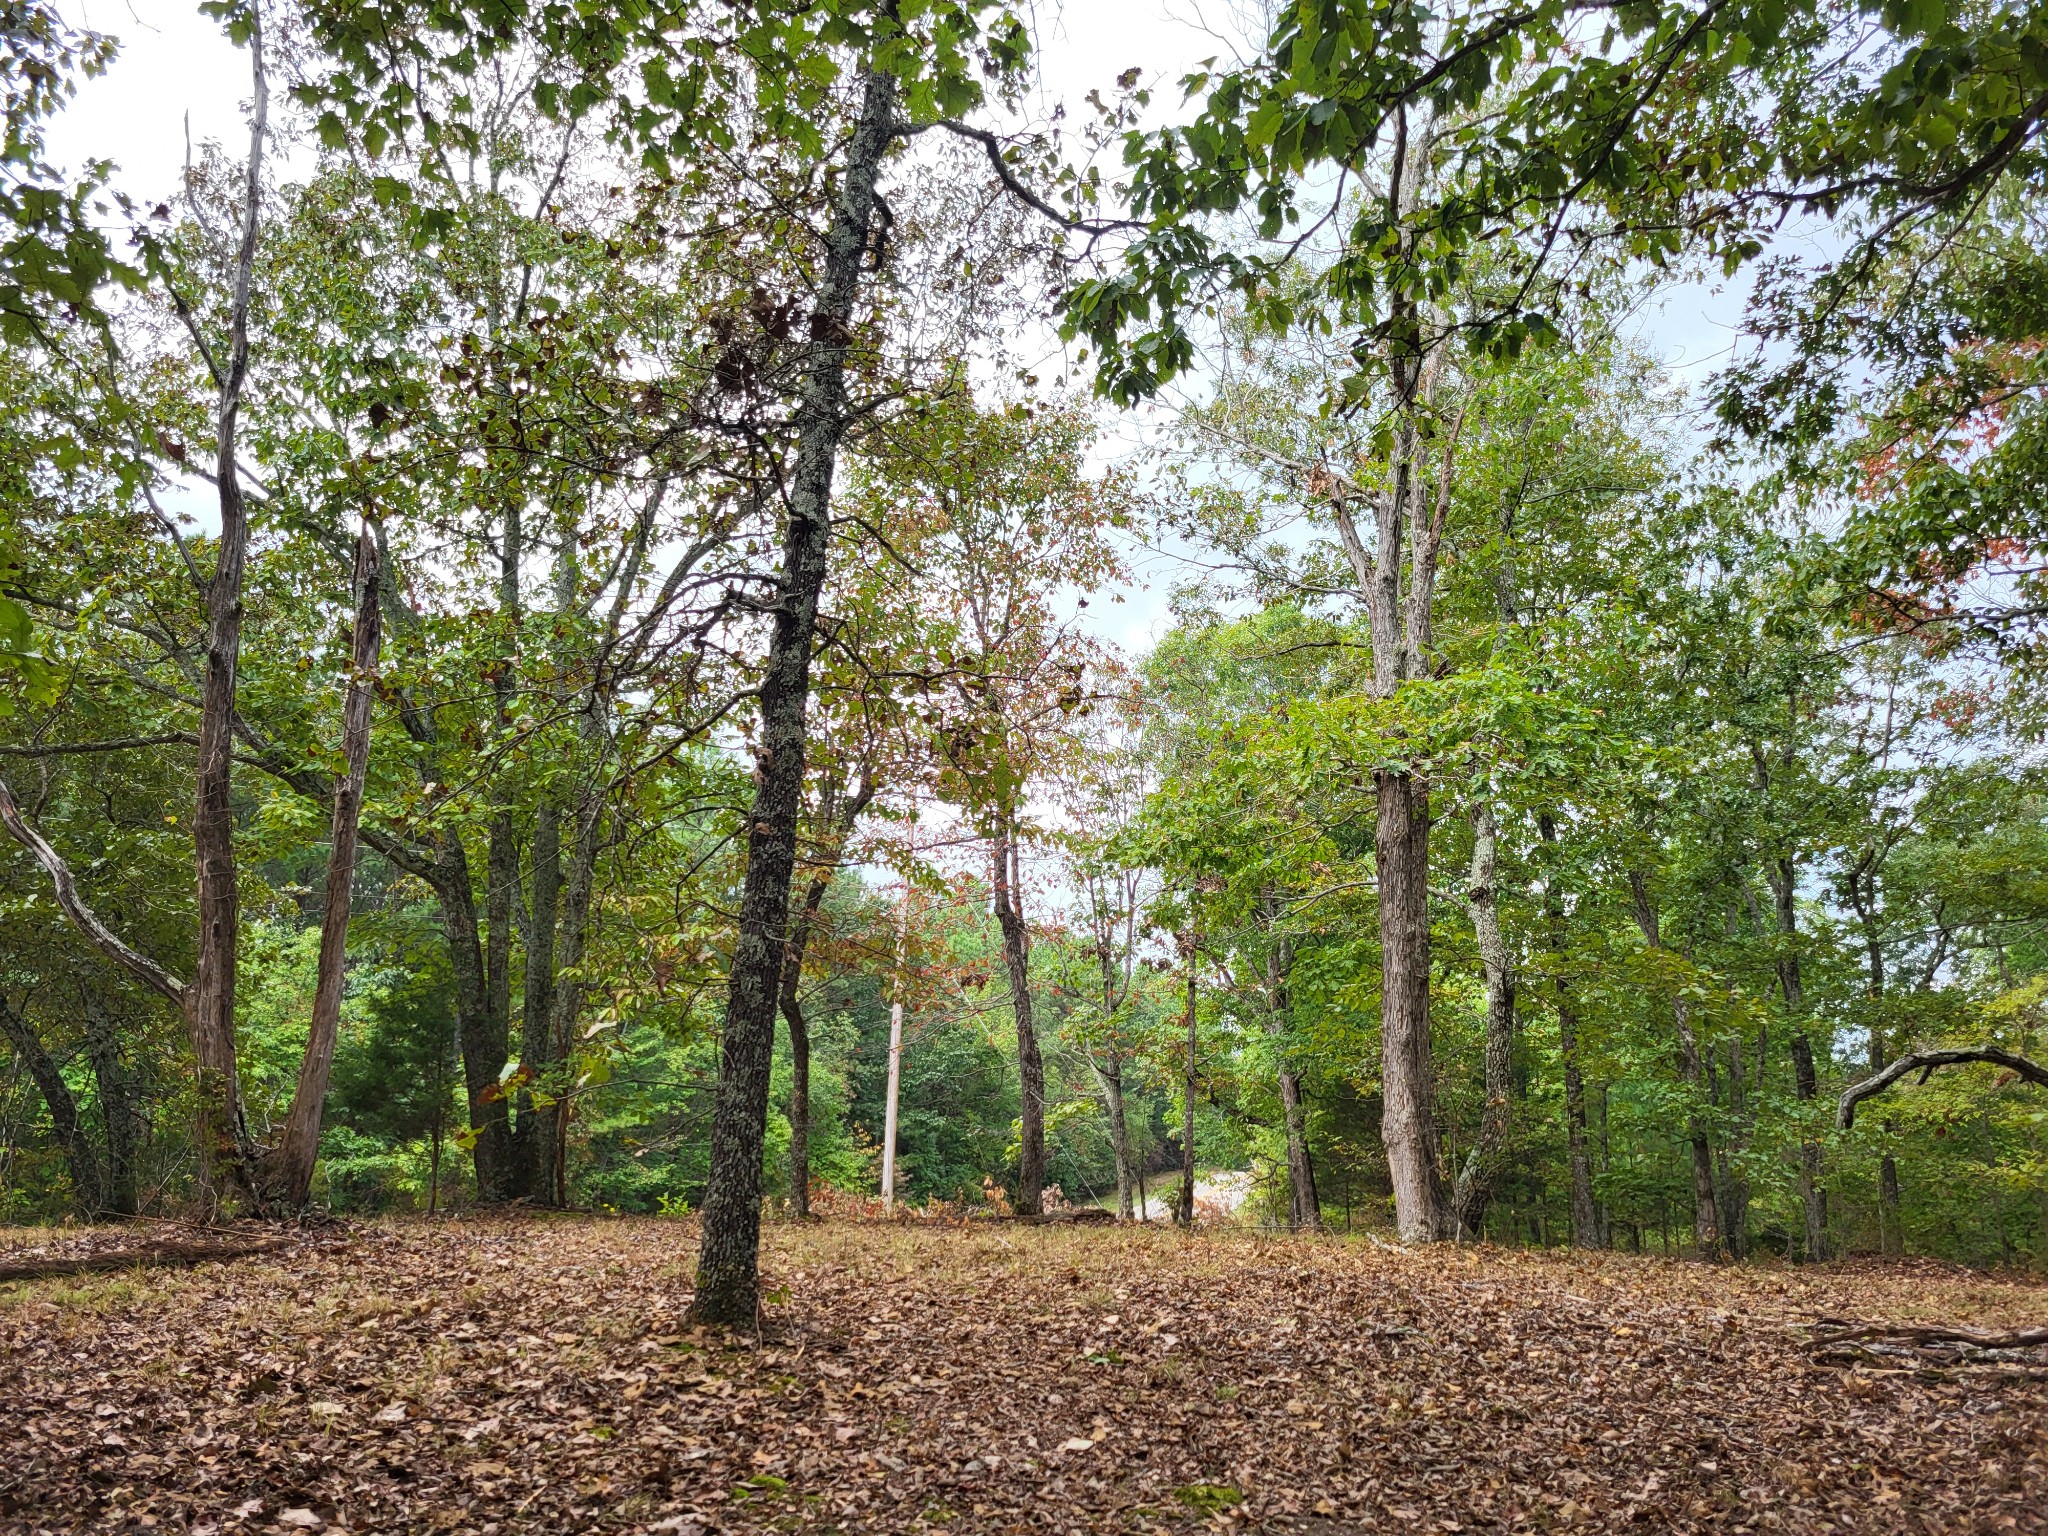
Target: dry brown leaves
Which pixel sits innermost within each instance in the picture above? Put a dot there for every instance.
(505, 1376)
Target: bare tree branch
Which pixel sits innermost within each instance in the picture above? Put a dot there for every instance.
(102, 937)
(1925, 1062)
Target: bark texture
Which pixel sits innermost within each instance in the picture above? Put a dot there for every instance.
(1030, 1199)
(728, 1256)
(227, 1154)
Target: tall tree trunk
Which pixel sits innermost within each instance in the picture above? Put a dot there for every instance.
(537, 1036)
(480, 1032)
(227, 1153)
(65, 1125)
(892, 1093)
(1482, 1170)
(728, 1257)
(1585, 1215)
(1304, 1206)
(112, 1083)
(1705, 1216)
(1706, 1219)
(1030, 1064)
(1890, 1236)
(1111, 1076)
(1111, 1079)
(1805, 1081)
(800, 1048)
(1184, 1210)
(575, 938)
(1408, 1125)
(289, 1171)
(1734, 1188)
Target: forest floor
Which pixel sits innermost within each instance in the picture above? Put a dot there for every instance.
(495, 1376)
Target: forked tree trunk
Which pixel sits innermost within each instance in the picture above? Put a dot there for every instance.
(227, 1153)
(289, 1171)
(1030, 1064)
(1483, 1167)
(728, 1256)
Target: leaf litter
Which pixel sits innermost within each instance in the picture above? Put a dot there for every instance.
(493, 1376)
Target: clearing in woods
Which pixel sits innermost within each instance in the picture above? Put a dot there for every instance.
(492, 1376)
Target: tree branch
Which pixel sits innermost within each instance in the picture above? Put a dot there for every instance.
(1927, 1061)
(102, 937)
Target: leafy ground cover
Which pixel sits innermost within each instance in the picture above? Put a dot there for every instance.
(529, 1375)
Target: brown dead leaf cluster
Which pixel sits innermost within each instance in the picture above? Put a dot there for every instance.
(492, 1377)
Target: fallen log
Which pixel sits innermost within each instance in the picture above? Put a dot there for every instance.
(140, 1256)
(1086, 1215)
(1914, 1335)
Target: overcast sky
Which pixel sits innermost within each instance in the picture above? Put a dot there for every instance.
(177, 69)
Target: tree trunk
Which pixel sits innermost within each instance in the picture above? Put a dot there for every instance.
(728, 1257)
(117, 1104)
(1184, 1210)
(1890, 1236)
(1408, 1125)
(227, 1153)
(840, 828)
(1304, 1206)
(568, 1004)
(289, 1173)
(537, 1037)
(1805, 1081)
(65, 1126)
(481, 1033)
(1734, 1188)
(1482, 1170)
(892, 1095)
(1030, 1065)
(1111, 1078)
(1706, 1220)
(1706, 1224)
(800, 1050)
(1585, 1217)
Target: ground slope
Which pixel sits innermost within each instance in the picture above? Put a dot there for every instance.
(503, 1376)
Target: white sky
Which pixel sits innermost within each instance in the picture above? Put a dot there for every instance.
(176, 68)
